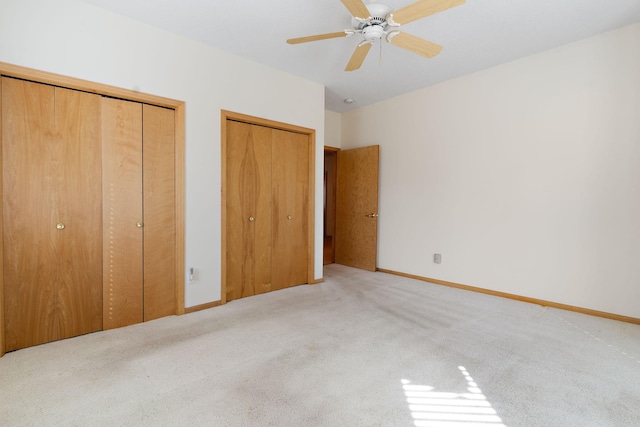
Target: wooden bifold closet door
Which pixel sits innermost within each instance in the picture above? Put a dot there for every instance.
(139, 212)
(249, 205)
(159, 209)
(51, 213)
(290, 187)
(267, 211)
(88, 212)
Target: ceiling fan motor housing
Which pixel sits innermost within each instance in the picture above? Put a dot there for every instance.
(378, 12)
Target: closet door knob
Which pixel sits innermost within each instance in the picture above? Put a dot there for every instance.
(251, 219)
(60, 226)
(289, 217)
(139, 224)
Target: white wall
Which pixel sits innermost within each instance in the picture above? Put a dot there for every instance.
(526, 176)
(79, 40)
(332, 129)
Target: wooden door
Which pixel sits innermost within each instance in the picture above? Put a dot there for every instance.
(290, 181)
(52, 225)
(122, 212)
(357, 207)
(248, 207)
(139, 212)
(159, 212)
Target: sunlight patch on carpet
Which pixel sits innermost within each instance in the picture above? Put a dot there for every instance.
(431, 408)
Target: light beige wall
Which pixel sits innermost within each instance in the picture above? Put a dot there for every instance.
(332, 129)
(73, 38)
(525, 177)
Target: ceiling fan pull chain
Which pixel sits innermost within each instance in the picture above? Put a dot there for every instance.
(380, 60)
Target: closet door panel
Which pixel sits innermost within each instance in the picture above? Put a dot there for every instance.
(290, 178)
(248, 210)
(51, 213)
(78, 189)
(159, 212)
(122, 212)
(30, 235)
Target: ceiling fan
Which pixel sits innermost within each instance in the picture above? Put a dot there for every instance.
(377, 21)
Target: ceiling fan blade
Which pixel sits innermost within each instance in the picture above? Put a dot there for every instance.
(358, 57)
(423, 8)
(414, 44)
(356, 8)
(318, 37)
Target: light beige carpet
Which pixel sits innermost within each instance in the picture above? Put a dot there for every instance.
(361, 349)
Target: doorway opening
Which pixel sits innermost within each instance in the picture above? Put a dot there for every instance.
(329, 233)
(351, 206)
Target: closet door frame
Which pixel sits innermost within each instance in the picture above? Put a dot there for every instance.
(311, 137)
(10, 70)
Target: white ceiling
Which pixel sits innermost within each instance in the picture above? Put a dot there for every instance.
(475, 36)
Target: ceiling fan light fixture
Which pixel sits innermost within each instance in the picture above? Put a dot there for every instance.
(373, 32)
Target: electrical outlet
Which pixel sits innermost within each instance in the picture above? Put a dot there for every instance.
(437, 258)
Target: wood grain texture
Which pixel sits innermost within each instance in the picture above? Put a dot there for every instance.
(1, 238)
(311, 206)
(179, 206)
(356, 8)
(248, 195)
(86, 86)
(159, 212)
(116, 92)
(122, 209)
(201, 307)
(544, 303)
(356, 197)
(224, 204)
(9, 70)
(358, 57)
(78, 122)
(244, 118)
(423, 8)
(290, 176)
(28, 121)
(416, 45)
(51, 174)
(228, 118)
(317, 37)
